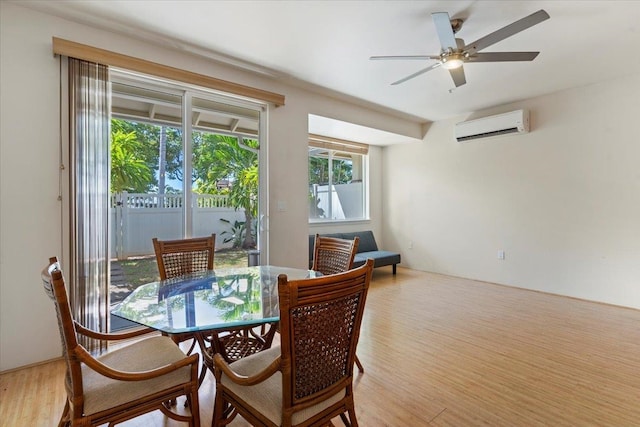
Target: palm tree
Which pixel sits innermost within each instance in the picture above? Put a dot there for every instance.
(219, 157)
(158, 146)
(128, 171)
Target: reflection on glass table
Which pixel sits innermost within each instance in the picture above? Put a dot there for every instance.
(212, 300)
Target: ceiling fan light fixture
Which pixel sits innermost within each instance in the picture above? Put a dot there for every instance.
(452, 62)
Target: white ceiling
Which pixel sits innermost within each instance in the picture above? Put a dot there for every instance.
(328, 44)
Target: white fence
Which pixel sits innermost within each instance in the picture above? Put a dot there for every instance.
(138, 218)
(347, 200)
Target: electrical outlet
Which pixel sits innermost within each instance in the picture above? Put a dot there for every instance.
(501, 254)
(410, 244)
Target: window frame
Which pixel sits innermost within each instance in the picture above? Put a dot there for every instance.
(333, 146)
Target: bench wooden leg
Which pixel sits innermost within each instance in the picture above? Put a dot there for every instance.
(394, 268)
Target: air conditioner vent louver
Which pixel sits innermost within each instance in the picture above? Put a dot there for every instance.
(488, 134)
(501, 124)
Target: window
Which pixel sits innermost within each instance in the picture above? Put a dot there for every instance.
(337, 180)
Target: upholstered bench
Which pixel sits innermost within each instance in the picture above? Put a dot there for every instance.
(367, 248)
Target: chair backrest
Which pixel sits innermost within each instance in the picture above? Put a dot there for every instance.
(179, 257)
(320, 325)
(333, 255)
(55, 288)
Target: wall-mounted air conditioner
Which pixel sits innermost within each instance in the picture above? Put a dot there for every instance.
(501, 124)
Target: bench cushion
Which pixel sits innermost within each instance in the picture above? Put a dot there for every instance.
(381, 258)
(367, 241)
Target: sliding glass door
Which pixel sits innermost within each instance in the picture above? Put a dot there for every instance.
(184, 163)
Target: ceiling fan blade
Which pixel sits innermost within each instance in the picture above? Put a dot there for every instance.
(457, 74)
(420, 57)
(502, 56)
(424, 70)
(443, 28)
(508, 31)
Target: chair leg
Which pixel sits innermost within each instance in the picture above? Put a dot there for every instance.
(353, 421)
(394, 268)
(360, 367)
(194, 406)
(218, 411)
(65, 418)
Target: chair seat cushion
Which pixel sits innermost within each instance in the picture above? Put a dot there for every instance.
(266, 397)
(102, 393)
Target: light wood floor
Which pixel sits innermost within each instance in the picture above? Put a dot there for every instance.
(443, 351)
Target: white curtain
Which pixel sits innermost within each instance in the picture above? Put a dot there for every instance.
(89, 129)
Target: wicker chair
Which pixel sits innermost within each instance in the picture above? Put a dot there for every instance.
(179, 257)
(308, 380)
(123, 383)
(333, 255)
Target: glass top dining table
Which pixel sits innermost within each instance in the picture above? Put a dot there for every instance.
(212, 300)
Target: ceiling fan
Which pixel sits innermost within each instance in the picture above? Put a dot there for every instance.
(454, 52)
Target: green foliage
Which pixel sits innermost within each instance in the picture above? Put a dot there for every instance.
(220, 157)
(136, 156)
(244, 191)
(342, 170)
(128, 171)
(318, 170)
(146, 149)
(315, 211)
(235, 233)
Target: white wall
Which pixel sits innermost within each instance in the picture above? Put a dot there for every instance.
(30, 214)
(563, 201)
